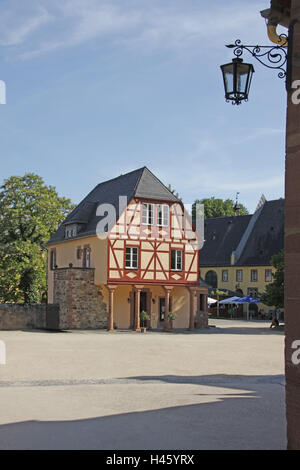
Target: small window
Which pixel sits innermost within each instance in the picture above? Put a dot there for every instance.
(225, 275)
(79, 253)
(148, 214)
(254, 276)
(87, 258)
(132, 255)
(52, 259)
(239, 275)
(268, 275)
(176, 260)
(252, 291)
(163, 215)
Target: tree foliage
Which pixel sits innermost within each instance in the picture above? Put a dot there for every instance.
(214, 207)
(274, 292)
(173, 191)
(30, 212)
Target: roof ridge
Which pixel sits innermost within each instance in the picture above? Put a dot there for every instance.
(117, 177)
(228, 217)
(139, 178)
(158, 180)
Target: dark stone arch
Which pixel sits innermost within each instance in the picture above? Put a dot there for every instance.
(211, 278)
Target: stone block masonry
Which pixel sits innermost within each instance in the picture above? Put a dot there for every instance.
(80, 302)
(18, 316)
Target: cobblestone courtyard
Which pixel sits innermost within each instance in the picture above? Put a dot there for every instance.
(221, 388)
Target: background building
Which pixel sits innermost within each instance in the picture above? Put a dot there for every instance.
(237, 251)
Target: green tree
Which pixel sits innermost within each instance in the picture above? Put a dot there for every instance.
(30, 213)
(274, 292)
(173, 191)
(219, 207)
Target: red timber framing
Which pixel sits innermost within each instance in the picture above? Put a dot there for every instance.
(154, 244)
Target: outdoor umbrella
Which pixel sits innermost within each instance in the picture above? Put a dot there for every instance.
(231, 300)
(247, 300)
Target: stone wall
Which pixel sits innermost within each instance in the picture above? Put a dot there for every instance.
(80, 301)
(18, 317)
(201, 320)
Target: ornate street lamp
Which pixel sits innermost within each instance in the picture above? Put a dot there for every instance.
(237, 75)
(237, 78)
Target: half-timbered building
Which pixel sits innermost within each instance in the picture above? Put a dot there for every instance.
(133, 232)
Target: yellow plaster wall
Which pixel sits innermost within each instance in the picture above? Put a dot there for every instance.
(66, 253)
(121, 305)
(180, 305)
(233, 285)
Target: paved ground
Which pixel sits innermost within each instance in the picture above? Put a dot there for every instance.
(221, 388)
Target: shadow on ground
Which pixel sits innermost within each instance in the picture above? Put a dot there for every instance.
(250, 419)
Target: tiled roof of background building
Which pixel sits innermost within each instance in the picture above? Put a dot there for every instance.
(223, 236)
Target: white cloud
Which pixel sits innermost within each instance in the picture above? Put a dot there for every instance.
(170, 24)
(14, 29)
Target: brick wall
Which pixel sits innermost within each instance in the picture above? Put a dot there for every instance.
(17, 317)
(292, 247)
(80, 301)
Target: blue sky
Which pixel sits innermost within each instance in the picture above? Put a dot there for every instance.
(96, 88)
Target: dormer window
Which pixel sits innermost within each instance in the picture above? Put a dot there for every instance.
(71, 231)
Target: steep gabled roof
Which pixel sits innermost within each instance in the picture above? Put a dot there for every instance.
(267, 236)
(138, 183)
(260, 235)
(222, 236)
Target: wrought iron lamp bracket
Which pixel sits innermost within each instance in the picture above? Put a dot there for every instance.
(273, 57)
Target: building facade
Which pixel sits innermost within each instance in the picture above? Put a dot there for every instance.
(237, 251)
(132, 232)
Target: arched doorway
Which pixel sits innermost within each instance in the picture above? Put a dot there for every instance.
(211, 278)
(253, 310)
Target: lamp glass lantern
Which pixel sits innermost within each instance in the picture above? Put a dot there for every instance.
(237, 77)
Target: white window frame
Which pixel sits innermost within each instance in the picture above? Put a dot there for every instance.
(148, 213)
(131, 251)
(239, 275)
(271, 277)
(71, 231)
(165, 215)
(252, 275)
(176, 260)
(225, 274)
(87, 258)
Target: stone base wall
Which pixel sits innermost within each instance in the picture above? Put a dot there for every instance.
(80, 302)
(18, 317)
(201, 320)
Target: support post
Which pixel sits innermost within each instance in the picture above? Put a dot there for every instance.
(111, 290)
(137, 321)
(192, 309)
(167, 290)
